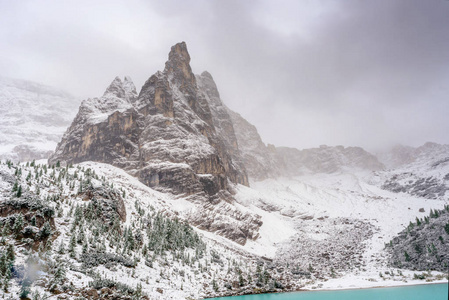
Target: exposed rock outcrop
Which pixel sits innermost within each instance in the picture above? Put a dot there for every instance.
(165, 136)
(421, 171)
(175, 136)
(223, 124)
(261, 161)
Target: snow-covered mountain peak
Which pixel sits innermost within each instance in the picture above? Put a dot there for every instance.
(121, 89)
(129, 87)
(422, 171)
(172, 137)
(115, 88)
(427, 154)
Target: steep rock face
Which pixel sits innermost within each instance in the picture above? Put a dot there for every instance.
(179, 138)
(173, 136)
(261, 161)
(105, 129)
(165, 135)
(223, 124)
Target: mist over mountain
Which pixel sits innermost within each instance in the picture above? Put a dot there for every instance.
(33, 118)
(166, 193)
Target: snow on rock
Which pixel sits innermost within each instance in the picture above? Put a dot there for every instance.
(333, 225)
(260, 160)
(113, 236)
(314, 218)
(422, 171)
(169, 136)
(33, 118)
(264, 162)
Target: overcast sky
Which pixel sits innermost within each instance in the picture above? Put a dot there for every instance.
(353, 73)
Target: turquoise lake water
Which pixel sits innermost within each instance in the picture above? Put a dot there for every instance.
(416, 292)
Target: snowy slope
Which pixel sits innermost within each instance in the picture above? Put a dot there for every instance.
(66, 197)
(305, 219)
(33, 118)
(313, 218)
(421, 171)
(337, 223)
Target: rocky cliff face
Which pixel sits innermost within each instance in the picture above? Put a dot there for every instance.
(175, 136)
(223, 124)
(166, 135)
(261, 161)
(105, 129)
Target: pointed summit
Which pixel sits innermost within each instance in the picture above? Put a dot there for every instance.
(115, 88)
(121, 89)
(129, 87)
(178, 63)
(208, 84)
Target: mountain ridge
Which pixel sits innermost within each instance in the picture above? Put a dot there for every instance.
(34, 117)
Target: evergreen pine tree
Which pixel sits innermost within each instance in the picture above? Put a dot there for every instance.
(19, 191)
(18, 224)
(15, 187)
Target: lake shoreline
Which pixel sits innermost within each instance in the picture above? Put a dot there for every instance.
(375, 287)
(404, 284)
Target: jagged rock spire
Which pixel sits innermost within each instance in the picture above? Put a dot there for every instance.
(166, 136)
(178, 63)
(115, 88)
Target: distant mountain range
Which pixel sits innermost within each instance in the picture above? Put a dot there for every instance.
(33, 118)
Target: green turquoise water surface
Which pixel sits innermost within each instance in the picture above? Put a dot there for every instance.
(416, 292)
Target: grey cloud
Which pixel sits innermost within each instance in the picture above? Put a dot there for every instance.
(369, 73)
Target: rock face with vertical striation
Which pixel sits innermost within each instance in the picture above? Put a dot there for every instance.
(105, 128)
(175, 136)
(261, 161)
(223, 124)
